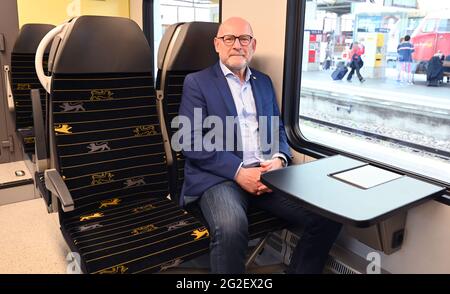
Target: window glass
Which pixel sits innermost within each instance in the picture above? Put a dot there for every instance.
(429, 26)
(391, 111)
(167, 12)
(444, 25)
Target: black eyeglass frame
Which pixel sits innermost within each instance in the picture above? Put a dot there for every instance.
(236, 37)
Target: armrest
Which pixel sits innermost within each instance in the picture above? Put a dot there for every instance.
(55, 184)
(46, 194)
(39, 131)
(9, 95)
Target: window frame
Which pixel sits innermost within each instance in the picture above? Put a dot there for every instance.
(147, 27)
(292, 77)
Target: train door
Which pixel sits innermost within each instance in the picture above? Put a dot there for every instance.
(9, 146)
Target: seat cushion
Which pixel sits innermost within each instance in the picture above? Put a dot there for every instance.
(135, 237)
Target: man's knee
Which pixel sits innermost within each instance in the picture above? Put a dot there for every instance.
(232, 228)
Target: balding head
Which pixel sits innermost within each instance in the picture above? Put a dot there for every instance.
(236, 56)
(234, 23)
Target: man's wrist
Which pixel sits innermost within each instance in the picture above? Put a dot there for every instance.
(282, 157)
(237, 171)
(283, 161)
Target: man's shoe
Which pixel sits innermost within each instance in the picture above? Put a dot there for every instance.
(349, 81)
(362, 80)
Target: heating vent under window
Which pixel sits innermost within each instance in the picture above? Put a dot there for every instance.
(335, 266)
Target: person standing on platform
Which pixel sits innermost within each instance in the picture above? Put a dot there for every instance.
(405, 50)
(356, 62)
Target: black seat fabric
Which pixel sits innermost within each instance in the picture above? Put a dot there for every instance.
(110, 153)
(187, 48)
(24, 78)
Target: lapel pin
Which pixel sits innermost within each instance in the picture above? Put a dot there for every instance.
(254, 77)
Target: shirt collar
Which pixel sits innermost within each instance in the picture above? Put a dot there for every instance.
(226, 71)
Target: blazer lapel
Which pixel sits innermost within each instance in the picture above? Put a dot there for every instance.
(227, 97)
(224, 90)
(257, 94)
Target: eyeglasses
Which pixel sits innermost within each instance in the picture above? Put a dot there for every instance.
(229, 40)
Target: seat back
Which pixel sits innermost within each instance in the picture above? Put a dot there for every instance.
(106, 143)
(184, 49)
(187, 48)
(105, 135)
(24, 78)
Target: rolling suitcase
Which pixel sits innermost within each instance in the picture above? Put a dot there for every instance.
(339, 73)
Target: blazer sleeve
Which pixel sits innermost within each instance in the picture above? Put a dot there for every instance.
(220, 163)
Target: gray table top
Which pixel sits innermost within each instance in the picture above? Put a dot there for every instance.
(312, 185)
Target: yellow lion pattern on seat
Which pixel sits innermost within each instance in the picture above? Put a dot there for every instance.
(101, 178)
(110, 202)
(63, 129)
(148, 130)
(118, 269)
(200, 233)
(101, 94)
(23, 86)
(143, 229)
(90, 216)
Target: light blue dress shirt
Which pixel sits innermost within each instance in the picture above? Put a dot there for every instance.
(247, 116)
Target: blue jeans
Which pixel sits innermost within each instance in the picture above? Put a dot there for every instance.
(224, 207)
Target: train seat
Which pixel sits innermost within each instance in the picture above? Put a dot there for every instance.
(109, 168)
(187, 48)
(24, 78)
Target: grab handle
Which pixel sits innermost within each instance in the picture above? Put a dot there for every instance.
(38, 61)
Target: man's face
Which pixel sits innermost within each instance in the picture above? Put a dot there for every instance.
(235, 56)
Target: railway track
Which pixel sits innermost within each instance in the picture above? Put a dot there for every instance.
(374, 137)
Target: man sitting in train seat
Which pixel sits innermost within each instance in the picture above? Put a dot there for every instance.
(225, 183)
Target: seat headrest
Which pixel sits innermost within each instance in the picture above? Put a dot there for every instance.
(165, 42)
(103, 44)
(30, 36)
(193, 48)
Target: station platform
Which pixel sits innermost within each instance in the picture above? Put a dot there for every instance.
(388, 90)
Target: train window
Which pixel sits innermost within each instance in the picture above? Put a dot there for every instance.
(429, 26)
(167, 12)
(363, 84)
(444, 25)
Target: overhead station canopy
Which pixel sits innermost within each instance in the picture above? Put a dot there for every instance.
(339, 7)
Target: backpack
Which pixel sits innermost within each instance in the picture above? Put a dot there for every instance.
(357, 58)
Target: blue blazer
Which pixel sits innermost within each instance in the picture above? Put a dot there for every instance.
(209, 91)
